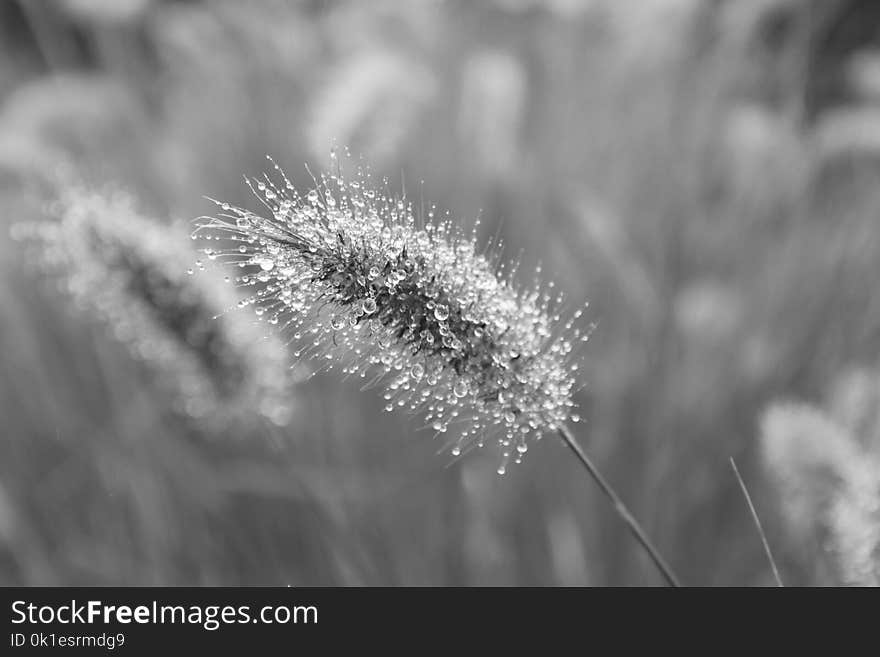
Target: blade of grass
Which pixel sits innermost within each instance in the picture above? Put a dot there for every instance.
(757, 520)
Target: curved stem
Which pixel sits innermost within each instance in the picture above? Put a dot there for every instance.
(620, 507)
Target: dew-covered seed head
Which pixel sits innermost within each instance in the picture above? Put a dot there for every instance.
(351, 273)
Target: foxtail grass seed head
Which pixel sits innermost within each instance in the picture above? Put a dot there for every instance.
(829, 485)
(363, 282)
(855, 524)
(130, 272)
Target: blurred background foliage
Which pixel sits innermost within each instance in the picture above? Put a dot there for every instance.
(705, 172)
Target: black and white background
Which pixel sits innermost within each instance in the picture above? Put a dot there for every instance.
(703, 172)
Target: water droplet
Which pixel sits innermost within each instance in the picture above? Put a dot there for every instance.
(460, 389)
(441, 312)
(369, 306)
(266, 264)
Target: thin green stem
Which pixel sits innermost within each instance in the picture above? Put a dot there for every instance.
(620, 507)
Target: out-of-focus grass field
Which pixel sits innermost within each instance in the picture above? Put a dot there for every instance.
(704, 173)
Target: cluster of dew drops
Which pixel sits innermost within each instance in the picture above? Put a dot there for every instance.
(354, 276)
